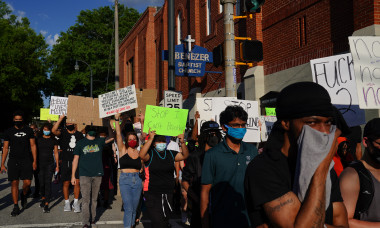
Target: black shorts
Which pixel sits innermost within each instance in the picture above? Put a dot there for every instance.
(66, 170)
(20, 169)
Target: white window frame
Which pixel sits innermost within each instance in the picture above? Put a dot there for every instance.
(179, 27)
(208, 17)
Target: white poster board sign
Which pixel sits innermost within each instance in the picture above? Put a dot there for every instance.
(365, 52)
(210, 108)
(58, 105)
(173, 99)
(117, 101)
(267, 123)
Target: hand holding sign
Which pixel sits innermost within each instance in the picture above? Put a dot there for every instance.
(152, 133)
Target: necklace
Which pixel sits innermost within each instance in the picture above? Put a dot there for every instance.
(160, 155)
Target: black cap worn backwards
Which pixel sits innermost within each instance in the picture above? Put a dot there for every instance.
(372, 129)
(210, 126)
(303, 99)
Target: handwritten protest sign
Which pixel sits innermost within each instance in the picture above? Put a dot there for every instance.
(83, 111)
(45, 115)
(336, 75)
(117, 101)
(365, 52)
(165, 121)
(58, 105)
(172, 99)
(210, 108)
(270, 111)
(267, 123)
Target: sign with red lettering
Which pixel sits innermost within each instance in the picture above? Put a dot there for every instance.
(117, 101)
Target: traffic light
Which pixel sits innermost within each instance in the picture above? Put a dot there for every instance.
(252, 5)
(251, 50)
(217, 55)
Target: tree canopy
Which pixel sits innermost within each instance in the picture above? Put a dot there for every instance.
(23, 71)
(89, 40)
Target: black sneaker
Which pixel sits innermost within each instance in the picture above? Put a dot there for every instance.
(15, 211)
(42, 204)
(24, 200)
(46, 208)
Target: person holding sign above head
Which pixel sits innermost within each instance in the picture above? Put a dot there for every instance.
(223, 172)
(130, 182)
(159, 182)
(68, 139)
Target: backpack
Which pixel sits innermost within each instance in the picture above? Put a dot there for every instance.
(366, 192)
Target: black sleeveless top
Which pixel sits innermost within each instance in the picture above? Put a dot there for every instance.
(126, 162)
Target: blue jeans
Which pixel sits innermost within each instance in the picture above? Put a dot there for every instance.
(130, 188)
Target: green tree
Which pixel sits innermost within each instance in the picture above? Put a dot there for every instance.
(89, 40)
(23, 68)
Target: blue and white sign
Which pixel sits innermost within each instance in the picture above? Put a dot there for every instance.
(190, 63)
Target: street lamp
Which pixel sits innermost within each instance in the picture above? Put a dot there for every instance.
(76, 67)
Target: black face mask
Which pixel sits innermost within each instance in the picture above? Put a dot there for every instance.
(212, 141)
(374, 153)
(18, 123)
(70, 127)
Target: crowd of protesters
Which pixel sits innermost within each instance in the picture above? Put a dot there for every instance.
(311, 172)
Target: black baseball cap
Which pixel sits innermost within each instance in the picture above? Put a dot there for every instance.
(372, 129)
(210, 126)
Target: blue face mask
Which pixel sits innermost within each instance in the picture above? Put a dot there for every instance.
(237, 133)
(46, 133)
(160, 146)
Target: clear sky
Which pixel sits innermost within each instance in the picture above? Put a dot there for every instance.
(50, 17)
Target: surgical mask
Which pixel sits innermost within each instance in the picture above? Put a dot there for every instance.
(18, 123)
(92, 133)
(237, 133)
(70, 127)
(46, 133)
(212, 140)
(132, 143)
(160, 146)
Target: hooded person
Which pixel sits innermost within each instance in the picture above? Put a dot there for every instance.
(294, 177)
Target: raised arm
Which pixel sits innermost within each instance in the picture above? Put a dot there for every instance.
(54, 130)
(144, 150)
(119, 139)
(287, 211)
(185, 152)
(143, 134)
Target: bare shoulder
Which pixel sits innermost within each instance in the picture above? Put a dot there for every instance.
(349, 176)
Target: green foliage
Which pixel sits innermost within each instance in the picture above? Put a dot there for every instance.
(23, 66)
(89, 40)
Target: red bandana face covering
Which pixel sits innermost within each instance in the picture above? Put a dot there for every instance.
(132, 143)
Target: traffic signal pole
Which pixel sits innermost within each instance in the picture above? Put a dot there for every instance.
(229, 47)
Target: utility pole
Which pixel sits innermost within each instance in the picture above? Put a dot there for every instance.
(117, 85)
(171, 67)
(229, 47)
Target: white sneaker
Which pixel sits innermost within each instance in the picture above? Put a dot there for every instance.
(76, 207)
(67, 207)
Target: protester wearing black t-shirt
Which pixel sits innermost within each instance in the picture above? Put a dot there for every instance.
(159, 180)
(68, 139)
(280, 190)
(46, 144)
(22, 159)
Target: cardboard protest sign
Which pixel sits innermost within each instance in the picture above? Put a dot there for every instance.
(83, 111)
(210, 108)
(58, 105)
(336, 75)
(165, 121)
(270, 111)
(173, 99)
(45, 115)
(267, 123)
(117, 101)
(365, 52)
(145, 97)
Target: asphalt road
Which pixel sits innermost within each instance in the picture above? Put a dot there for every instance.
(33, 216)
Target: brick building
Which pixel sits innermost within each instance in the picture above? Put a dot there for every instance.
(292, 32)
